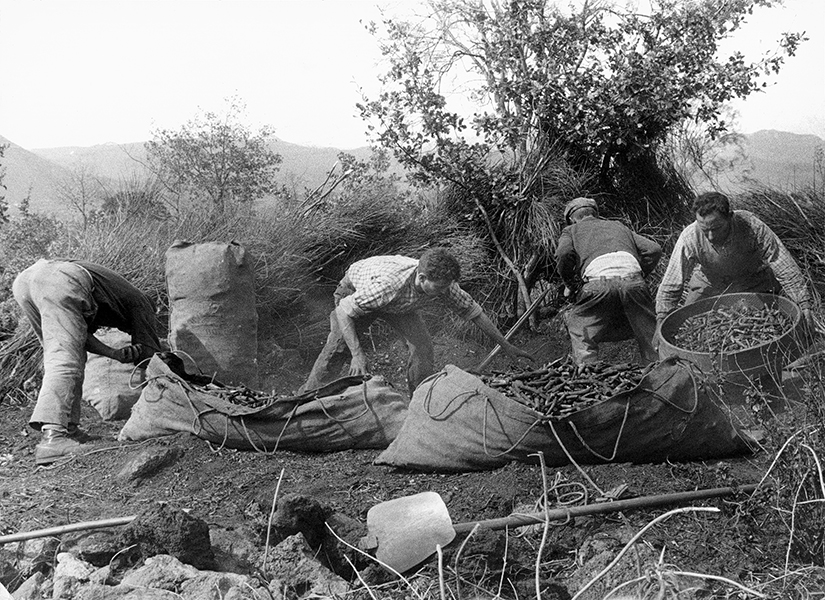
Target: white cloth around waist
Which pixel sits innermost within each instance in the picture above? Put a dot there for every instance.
(612, 265)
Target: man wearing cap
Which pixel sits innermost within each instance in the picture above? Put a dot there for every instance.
(603, 265)
(734, 252)
(66, 301)
(393, 288)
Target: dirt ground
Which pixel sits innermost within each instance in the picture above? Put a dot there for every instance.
(228, 487)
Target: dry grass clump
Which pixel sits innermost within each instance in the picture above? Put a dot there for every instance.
(798, 219)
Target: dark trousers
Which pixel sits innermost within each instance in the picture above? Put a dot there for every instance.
(611, 309)
(335, 353)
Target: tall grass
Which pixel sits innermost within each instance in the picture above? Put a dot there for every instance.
(292, 252)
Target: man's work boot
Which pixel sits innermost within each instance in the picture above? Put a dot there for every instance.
(54, 445)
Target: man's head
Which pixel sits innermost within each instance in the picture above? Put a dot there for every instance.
(713, 216)
(437, 270)
(578, 208)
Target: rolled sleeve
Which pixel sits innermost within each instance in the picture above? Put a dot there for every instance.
(678, 271)
(351, 308)
(462, 303)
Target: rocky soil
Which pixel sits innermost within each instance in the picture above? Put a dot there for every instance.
(205, 525)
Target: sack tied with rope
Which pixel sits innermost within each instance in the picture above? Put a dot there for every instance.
(458, 423)
(112, 387)
(346, 414)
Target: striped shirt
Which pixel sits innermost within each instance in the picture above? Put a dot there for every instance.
(750, 248)
(387, 284)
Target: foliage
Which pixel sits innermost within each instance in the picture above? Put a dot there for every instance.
(589, 94)
(214, 159)
(4, 205)
(81, 189)
(798, 218)
(702, 159)
(136, 197)
(371, 213)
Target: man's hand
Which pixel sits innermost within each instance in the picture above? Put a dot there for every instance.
(358, 364)
(128, 354)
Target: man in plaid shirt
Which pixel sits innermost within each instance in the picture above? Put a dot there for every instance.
(393, 288)
(735, 252)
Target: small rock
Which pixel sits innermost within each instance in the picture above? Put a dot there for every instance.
(97, 547)
(69, 574)
(102, 576)
(211, 585)
(161, 571)
(34, 555)
(293, 562)
(235, 548)
(95, 591)
(298, 513)
(147, 463)
(30, 589)
(9, 573)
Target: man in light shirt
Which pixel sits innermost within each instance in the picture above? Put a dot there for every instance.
(393, 288)
(603, 265)
(734, 252)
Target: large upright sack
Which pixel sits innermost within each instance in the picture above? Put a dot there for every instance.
(112, 387)
(212, 316)
(458, 423)
(346, 414)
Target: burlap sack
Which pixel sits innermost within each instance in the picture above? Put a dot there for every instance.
(457, 423)
(112, 387)
(212, 316)
(345, 414)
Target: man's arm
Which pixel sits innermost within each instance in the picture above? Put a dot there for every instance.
(358, 364)
(567, 260)
(483, 322)
(649, 253)
(786, 271)
(131, 353)
(783, 266)
(679, 268)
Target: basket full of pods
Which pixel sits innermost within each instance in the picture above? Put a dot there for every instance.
(735, 337)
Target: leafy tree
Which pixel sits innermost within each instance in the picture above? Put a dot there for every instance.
(215, 159)
(565, 102)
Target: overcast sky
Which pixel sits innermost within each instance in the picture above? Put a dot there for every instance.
(83, 72)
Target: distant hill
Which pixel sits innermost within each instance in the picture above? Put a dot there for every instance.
(775, 158)
(782, 159)
(27, 174)
(301, 166)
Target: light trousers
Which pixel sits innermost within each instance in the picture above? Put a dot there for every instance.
(56, 298)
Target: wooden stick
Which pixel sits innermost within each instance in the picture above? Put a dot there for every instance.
(514, 328)
(61, 529)
(517, 520)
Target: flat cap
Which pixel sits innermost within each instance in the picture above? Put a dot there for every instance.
(576, 204)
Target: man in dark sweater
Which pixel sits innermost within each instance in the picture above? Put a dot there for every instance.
(603, 265)
(66, 301)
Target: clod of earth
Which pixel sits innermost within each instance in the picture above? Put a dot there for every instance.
(161, 529)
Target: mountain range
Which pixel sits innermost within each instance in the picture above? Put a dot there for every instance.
(774, 158)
